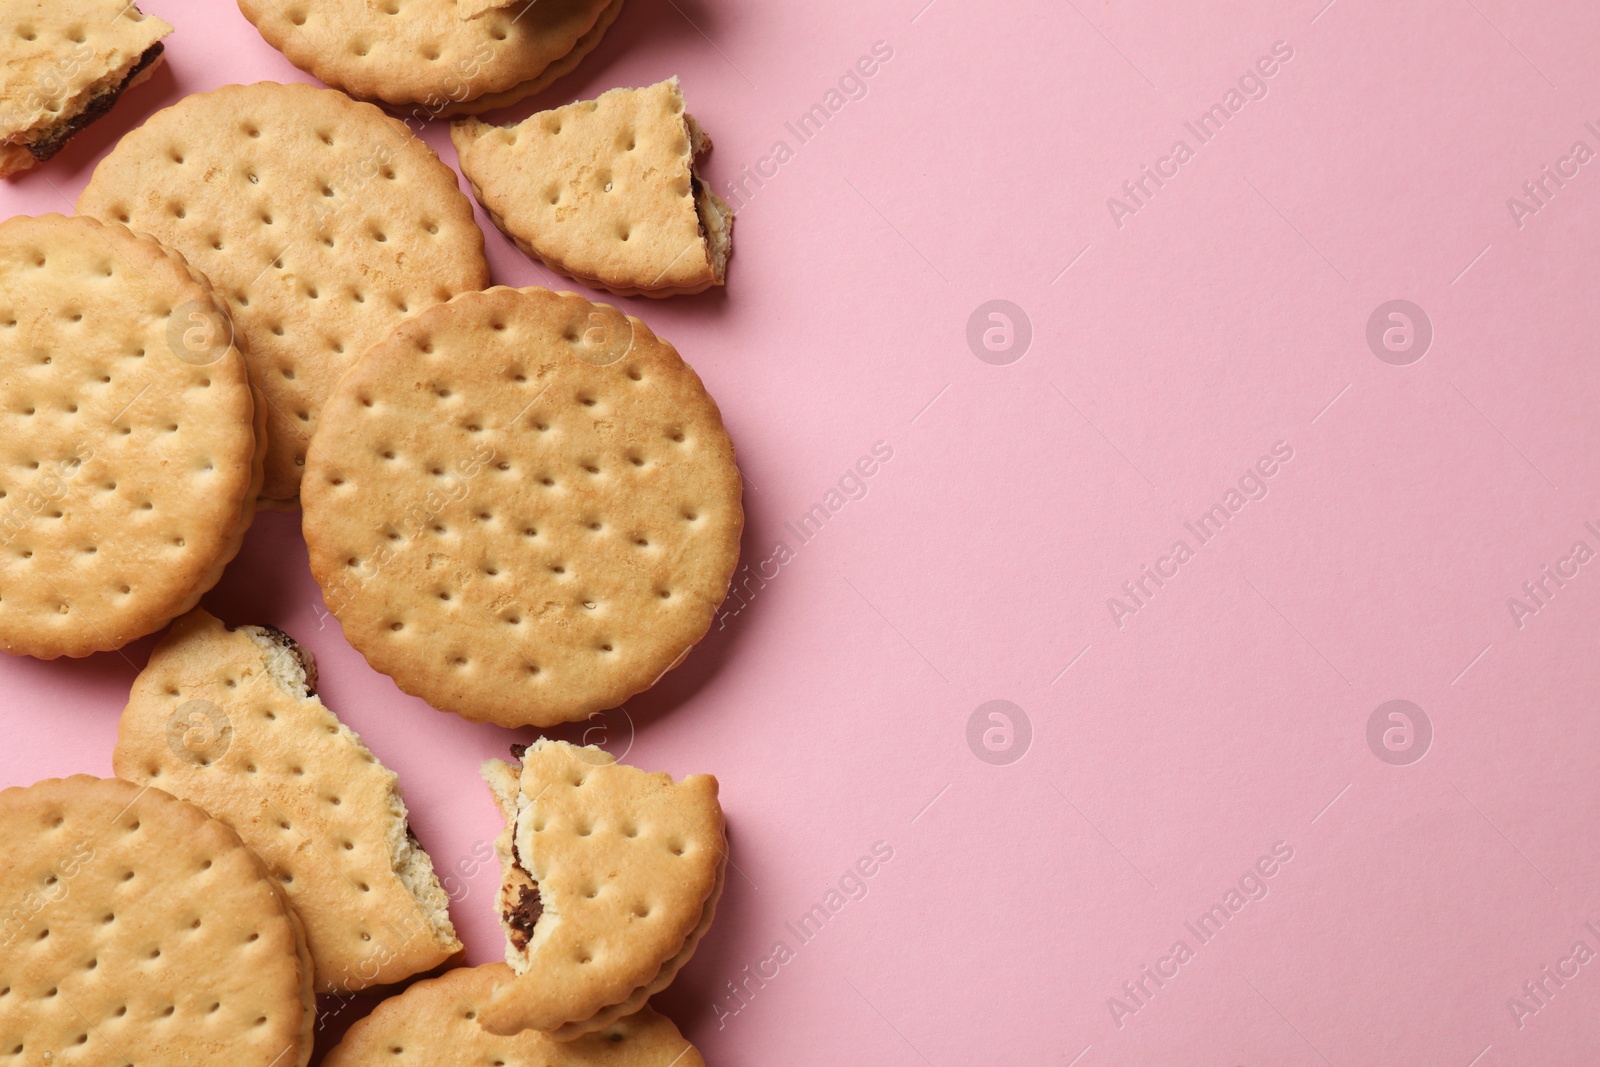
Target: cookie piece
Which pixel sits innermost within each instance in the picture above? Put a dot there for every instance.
(141, 930)
(436, 1021)
(130, 454)
(559, 69)
(605, 191)
(230, 720)
(523, 507)
(420, 56)
(64, 64)
(619, 870)
(471, 9)
(321, 221)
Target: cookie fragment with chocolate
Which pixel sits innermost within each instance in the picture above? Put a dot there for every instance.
(64, 64)
(610, 878)
(230, 720)
(606, 191)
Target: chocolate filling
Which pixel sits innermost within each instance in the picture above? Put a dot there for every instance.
(56, 137)
(700, 190)
(522, 916)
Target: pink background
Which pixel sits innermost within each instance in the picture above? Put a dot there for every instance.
(1229, 713)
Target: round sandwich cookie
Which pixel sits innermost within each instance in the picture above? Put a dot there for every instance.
(230, 720)
(422, 57)
(322, 223)
(139, 930)
(130, 445)
(523, 507)
(439, 1021)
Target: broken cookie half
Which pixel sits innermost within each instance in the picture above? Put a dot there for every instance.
(605, 191)
(610, 877)
(230, 720)
(63, 64)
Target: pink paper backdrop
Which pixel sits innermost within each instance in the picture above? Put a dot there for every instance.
(1047, 864)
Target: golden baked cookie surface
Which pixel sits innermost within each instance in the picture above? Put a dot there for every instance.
(141, 930)
(322, 223)
(226, 719)
(628, 868)
(605, 191)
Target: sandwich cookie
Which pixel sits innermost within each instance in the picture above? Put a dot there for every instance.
(141, 930)
(605, 191)
(63, 65)
(523, 507)
(611, 877)
(130, 444)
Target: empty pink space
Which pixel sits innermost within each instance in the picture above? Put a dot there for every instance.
(1206, 665)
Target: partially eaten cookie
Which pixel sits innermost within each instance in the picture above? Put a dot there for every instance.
(606, 191)
(64, 64)
(610, 877)
(230, 720)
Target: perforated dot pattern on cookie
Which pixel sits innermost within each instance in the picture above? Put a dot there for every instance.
(139, 930)
(438, 1021)
(322, 222)
(208, 722)
(523, 507)
(420, 56)
(129, 464)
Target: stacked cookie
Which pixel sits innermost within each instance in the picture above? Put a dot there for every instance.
(521, 505)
